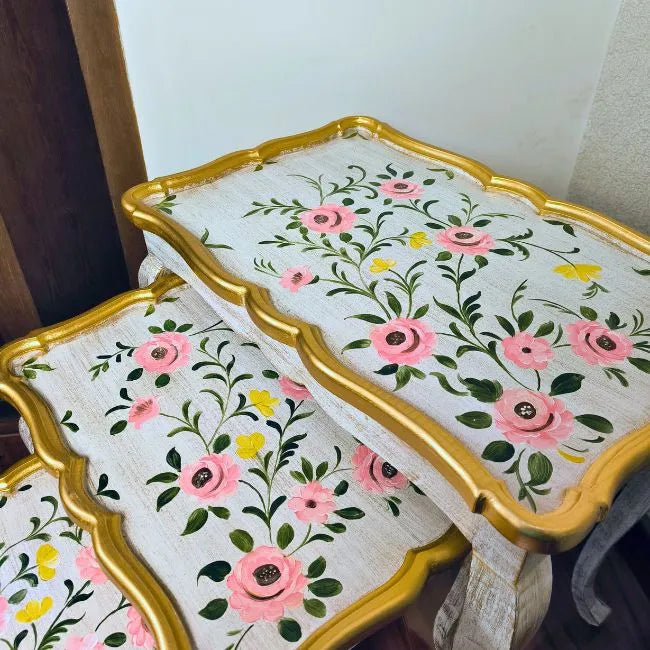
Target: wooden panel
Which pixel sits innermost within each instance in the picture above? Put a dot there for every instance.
(96, 33)
(53, 192)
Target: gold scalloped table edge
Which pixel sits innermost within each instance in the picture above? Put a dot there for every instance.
(583, 505)
(105, 527)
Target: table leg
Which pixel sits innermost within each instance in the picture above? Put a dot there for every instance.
(628, 508)
(492, 607)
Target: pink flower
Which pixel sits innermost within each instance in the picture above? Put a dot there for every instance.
(527, 351)
(293, 389)
(86, 642)
(403, 340)
(4, 604)
(141, 637)
(465, 239)
(312, 502)
(88, 566)
(399, 189)
(143, 409)
(211, 478)
(535, 418)
(165, 352)
(329, 218)
(374, 473)
(265, 582)
(598, 345)
(295, 277)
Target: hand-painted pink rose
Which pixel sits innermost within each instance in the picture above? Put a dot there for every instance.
(403, 340)
(86, 642)
(88, 566)
(374, 473)
(164, 353)
(532, 417)
(465, 239)
(329, 218)
(527, 351)
(211, 478)
(264, 583)
(4, 604)
(598, 345)
(140, 635)
(296, 277)
(293, 389)
(312, 502)
(401, 189)
(143, 409)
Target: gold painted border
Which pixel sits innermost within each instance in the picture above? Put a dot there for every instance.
(582, 506)
(121, 563)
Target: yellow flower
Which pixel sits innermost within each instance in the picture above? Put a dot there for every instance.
(379, 265)
(583, 272)
(34, 610)
(419, 239)
(47, 557)
(249, 445)
(263, 402)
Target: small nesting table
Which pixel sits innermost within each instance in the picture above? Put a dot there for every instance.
(492, 342)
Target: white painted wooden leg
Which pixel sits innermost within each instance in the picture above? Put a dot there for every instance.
(629, 507)
(495, 605)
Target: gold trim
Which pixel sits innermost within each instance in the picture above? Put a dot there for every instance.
(386, 602)
(121, 563)
(582, 505)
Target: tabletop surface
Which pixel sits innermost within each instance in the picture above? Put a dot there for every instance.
(523, 336)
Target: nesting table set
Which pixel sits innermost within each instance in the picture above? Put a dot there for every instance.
(354, 355)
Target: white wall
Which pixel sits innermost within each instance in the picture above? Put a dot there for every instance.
(504, 81)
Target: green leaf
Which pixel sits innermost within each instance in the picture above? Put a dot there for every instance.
(595, 422)
(325, 587)
(475, 419)
(394, 303)
(118, 427)
(389, 369)
(524, 320)
(444, 384)
(195, 521)
(169, 325)
(567, 382)
(506, 324)
(270, 374)
(641, 364)
(341, 488)
(402, 377)
(298, 476)
(544, 329)
(174, 459)
(321, 469)
(17, 597)
(214, 609)
(154, 329)
(540, 468)
(285, 535)
(443, 256)
(588, 313)
(446, 361)
(369, 318)
(315, 607)
(184, 328)
(289, 629)
(136, 373)
(165, 497)
(498, 451)
(317, 567)
(163, 477)
(642, 271)
(358, 344)
(484, 390)
(350, 513)
(307, 469)
(242, 540)
(216, 571)
(162, 380)
(115, 640)
(30, 374)
(337, 527)
(219, 511)
(346, 237)
(480, 261)
(222, 442)
(421, 311)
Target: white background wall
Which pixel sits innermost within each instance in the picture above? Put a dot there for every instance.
(504, 81)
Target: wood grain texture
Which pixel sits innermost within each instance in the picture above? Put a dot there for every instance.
(53, 193)
(96, 34)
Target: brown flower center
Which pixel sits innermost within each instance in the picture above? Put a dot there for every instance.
(159, 353)
(266, 574)
(526, 350)
(525, 410)
(605, 343)
(201, 477)
(395, 338)
(143, 408)
(321, 218)
(310, 503)
(296, 277)
(388, 470)
(400, 186)
(464, 235)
